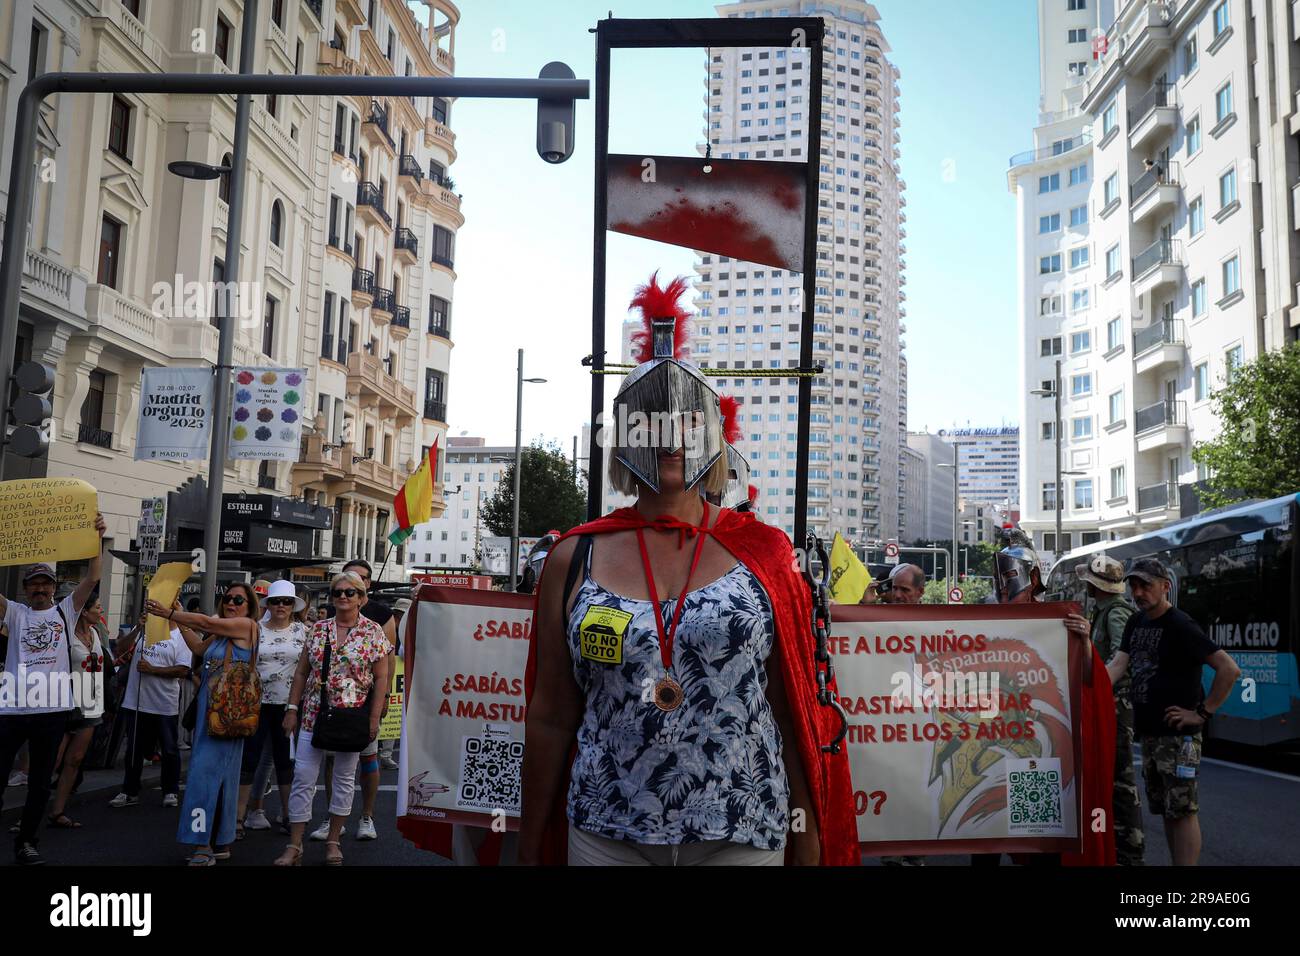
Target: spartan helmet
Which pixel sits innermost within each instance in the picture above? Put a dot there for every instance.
(1014, 565)
(736, 495)
(665, 403)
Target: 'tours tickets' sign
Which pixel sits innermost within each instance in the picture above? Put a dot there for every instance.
(963, 726)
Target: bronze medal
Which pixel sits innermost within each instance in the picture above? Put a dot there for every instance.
(668, 694)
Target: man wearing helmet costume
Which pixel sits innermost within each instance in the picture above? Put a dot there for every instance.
(655, 629)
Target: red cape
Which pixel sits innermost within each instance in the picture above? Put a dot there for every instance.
(767, 552)
(1097, 774)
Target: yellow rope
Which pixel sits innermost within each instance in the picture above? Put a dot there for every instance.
(728, 372)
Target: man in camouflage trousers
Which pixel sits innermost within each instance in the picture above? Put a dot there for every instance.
(1110, 612)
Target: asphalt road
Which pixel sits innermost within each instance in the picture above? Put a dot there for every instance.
(1248, 817)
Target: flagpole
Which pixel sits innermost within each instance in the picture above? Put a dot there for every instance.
(380, 576)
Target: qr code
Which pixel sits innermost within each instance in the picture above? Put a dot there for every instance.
(1034, 796)
(491, 766)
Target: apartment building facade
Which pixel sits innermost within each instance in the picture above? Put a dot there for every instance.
(750, 316)
(929, 509)
(988, 463)
(471, 474)
(1157, 246)
(123, 256)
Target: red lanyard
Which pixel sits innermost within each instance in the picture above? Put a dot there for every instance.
(666, 637)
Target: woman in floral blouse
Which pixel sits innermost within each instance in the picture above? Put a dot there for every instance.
(358, 662)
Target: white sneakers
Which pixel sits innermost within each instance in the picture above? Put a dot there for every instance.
(388, 763)
(124, 800)
(17, 779)
(256, 820)
(366, 829)
(171, 800)
(322, 832)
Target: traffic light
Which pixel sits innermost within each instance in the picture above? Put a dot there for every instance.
(32, 410)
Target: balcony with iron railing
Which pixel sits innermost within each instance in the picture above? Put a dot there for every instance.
(370, 198)
(383, 302)
(266, 481)
(1155, 111)
(1160, 425)
(408, 165)
(1157, 265)
(373, 385)
(1155, 190)
(377, 118)
(406, 243)
(400, 327)
(363, 287)
(1163, 496)
(435, 411)
(1161, 344)
(91, 435)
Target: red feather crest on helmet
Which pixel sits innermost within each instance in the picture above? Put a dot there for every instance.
(731, 430)
(656, 302)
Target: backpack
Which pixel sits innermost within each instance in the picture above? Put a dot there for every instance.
(234, 697)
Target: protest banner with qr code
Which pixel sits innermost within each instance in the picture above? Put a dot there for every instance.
(964, 732)
(463, 725)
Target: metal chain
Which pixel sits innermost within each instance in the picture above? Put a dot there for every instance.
(821, 619)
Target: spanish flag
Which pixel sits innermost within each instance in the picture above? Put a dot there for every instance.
(849, 576)
(414, 503)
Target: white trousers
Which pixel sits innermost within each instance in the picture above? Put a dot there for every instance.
(587, 849)
(306, 771)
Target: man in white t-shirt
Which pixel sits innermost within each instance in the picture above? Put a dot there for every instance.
(149, 712)
(36, 686)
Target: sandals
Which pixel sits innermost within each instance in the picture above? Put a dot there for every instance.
(61, 821)
(285, 860)
(202, 858)
(336, 858)
(239, 830)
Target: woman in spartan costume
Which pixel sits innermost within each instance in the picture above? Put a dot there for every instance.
(672, 709)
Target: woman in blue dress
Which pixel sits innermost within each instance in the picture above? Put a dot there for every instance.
(212, 785)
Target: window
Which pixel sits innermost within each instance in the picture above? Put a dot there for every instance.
(1110, 118)
(1115, 405)
(218, 281)
(221, 40)
(439, 316)
(1050, 346)
(1194, 135)
(1083, 494)
(1196, 217)
(1077, 5)
(268, 327)
(119, 128)
(277, 224)
(1198, 298)
(1221, 19)
(1049, 264)
(1081, 428)
(1191, 55)
(1049, 305)
(1079, 257)
(327, 328)
(1201, 382)
(36, 52)
(444, 241)
(1079, 216)
(1049, 496)
(1081, 341)
(92, 408)
(1077, 36)
(1223, 103)
(1113, 267)
(1079, 175)
(1111, 189)
(110, 245)
(1117, 484)
(1079, 300)
(438, 109)
(1231, 276)
(1049, 184)
(1233, 360)
(1080, 385)
(1049, 432)
(1228, 188)
(1114, 331)
(1050, 223)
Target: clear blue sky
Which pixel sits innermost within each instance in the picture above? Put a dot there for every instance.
(969, 100)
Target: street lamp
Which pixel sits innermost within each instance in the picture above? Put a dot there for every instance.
(190, 169)
(519, 420)
(1055, 392)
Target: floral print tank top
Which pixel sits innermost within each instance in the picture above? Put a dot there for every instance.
(711, 769)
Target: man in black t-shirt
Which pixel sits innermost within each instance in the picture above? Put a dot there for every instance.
(1164, 650)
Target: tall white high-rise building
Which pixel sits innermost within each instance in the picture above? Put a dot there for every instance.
(1157, 246)
(750, 316)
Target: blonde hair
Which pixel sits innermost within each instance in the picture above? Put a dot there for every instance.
(621, 479)
(351, 578)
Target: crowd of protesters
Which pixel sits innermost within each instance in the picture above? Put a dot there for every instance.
(136, 695)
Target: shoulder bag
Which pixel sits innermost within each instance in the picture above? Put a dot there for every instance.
(234, 697)
(344, 729)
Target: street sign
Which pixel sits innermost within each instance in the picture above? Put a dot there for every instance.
(149, 534)
(891, 553)
(955, 596)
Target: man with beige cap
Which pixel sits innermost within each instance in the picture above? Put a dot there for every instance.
(1110, 613)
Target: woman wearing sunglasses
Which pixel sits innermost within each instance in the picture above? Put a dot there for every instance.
(282, 639)
(358, 661)
(212, 786)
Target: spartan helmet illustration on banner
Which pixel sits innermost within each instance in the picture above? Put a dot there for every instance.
(666, 403)
(736, 495)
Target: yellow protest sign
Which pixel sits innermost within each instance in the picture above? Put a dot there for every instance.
(47, 519)
(391, 726)
(163, 588)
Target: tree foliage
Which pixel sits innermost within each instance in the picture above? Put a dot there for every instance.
(973, 591)
(549, 499)
(1256, 453)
